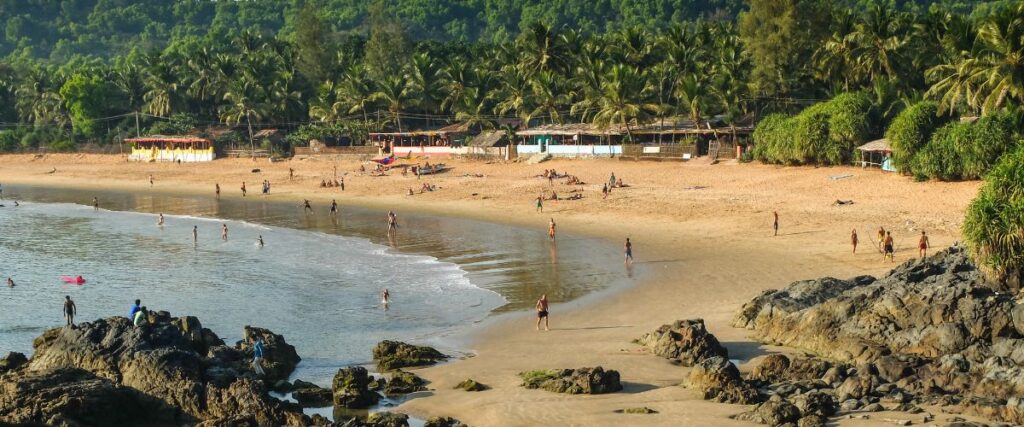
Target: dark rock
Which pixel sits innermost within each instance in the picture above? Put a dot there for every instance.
(350, 388)
(573, 381)
(12, 361)
(390, 355)
(776, 412)
(161, 361)
(640, 410)
(279, 357)
(815, 403)
(444, 422)
(402, 382)
(471, 385)
(718, 379)
(850, 405)
(771, 369)
(282, 386)
(874, 407)
(686, 342)
(310, 395)
(387, 419)
(811, 421)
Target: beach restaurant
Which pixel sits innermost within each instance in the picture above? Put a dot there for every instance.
(435, 143)
(877, 153)
(159, 148)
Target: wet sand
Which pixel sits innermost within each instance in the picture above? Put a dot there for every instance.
(703, 246)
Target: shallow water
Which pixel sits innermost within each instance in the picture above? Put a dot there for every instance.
(317, 281)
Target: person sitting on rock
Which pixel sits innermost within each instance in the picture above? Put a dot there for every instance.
(141, 317)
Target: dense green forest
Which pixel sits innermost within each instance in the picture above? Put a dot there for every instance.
(117, 68)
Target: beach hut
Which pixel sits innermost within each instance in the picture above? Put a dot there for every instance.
(571, 140)
(160, 148)
(877, 153)
(434, 142)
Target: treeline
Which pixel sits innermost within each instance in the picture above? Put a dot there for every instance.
(776, 57)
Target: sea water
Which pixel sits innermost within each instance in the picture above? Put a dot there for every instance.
(317, 280)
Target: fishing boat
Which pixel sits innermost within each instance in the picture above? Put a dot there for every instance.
(431, 169)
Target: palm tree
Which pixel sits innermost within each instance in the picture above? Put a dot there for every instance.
(621, 98)
(513, 94)
(163, 85)
(548, 95)
(540, 49)
(423, 75)
(880, 40)
(395, 92)
(245, 99)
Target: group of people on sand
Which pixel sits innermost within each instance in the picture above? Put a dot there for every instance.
(885, 244)
(331, 183)
(426, 187)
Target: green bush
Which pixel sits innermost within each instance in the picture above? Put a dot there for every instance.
(994, 226)
(910, 132)
(963, 150)
(9, 140)
(823, 134)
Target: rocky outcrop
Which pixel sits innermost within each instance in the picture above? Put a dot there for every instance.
(351, 388)
(280, 357)
(444, 422)
(470, 385)
(573, 381)
(310, 395)
(389, 355)
(686, 342)
(932, 328)
(402, 382)
(171, 371)
(12, 361)
(387, 419)
(718, 379)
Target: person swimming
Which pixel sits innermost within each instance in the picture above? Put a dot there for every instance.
(10, 282)
(259, 240)
(306, 206)
(385, 297)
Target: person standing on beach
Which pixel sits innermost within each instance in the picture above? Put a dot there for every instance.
(542, 312)
(291, 173)
(160, 220)
(224, 232)
(341, 183)
(392, 222)
(243, 188)
(306, 207)
(95, 203)
(334, 207)
(775, 225)
(216, 187)
(150, 180)
(70, 310)
(853, 240)
(604, 191)
(628, 247)
(922, 245)
(881, 238)
(888, 250)
(257, 356)
(540, 203)
(551, 230)
(195, 234)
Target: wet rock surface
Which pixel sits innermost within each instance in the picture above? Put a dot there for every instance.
(389, 355)
(351, 388)
(932, 330)
(169, 372)
(686, 342)
(573, 381)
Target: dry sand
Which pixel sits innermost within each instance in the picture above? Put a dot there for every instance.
(703, 246)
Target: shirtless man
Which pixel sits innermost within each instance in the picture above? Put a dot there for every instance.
(95, 203)
(542, 312)
(628, 246)
(195, 234)
(306, 207)
(853, 240)
(334, 207)
(385, 297)
(775, 225)
(69, 310)
(922, 245)
(224, 232)
(888, 251)
(243, 188)
(150, 180)
(10, 282)
(392, 222)
(259, 240)
(217, 189)
(551, 230)
(160, 220)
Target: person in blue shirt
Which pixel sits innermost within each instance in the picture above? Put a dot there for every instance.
(257, 356)
(134, 309)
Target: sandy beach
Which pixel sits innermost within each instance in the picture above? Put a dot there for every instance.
(702, 238)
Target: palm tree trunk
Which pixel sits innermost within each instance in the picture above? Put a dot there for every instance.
(398, 119)
(252, 144)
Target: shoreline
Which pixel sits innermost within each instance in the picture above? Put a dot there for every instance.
(706, 267)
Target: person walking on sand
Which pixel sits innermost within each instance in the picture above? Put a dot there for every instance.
(542, 312)
(150, 180)
(392, 222)
(160, 220)
(334, 207)
(551, 230)
(70, 310)
(775, 225)
(291, 173)
(257, 356)
(628, 247)
(243, 188)
(888, 251)
(540, 203)
(853, 240)
(95, 203)
(604, 192)
(306, 207)
(922, 245)
(216, 189)
(224, 232)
